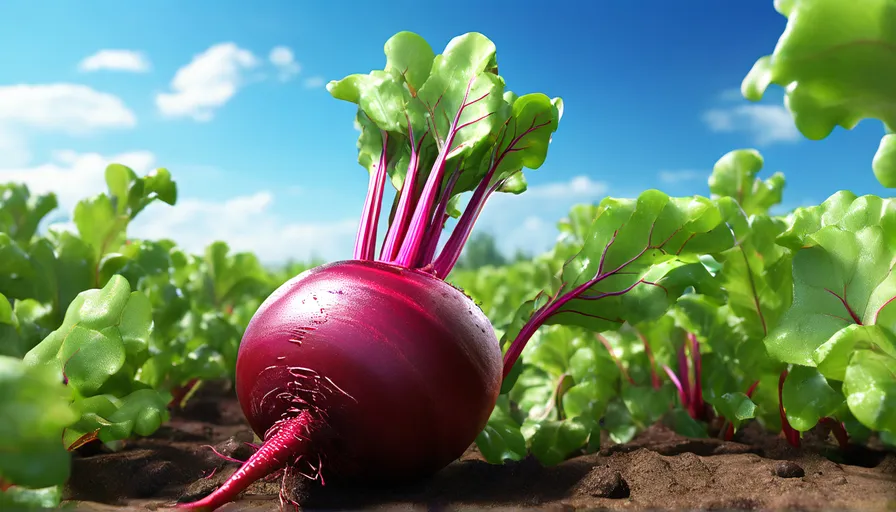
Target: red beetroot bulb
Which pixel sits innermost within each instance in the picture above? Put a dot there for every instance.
(403, 368)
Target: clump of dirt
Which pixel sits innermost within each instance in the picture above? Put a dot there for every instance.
(657, 470)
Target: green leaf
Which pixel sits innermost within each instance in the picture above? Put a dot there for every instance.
(21, 498)
(808, 397)
(99, 225)
(458, 110)
(410, 55)
(501, 438)
(734, 175)
(101, 326)
(647, 405)
(835, 64)
(834, 355)
(118, 180)
(736, 407)
(683, 424)
(870, 388)
(618, 422)
(637, 259)
(34, 407)
(554, 441)
(21, 212)
(841, 277)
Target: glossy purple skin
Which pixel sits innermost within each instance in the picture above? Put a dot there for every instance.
(418, 358)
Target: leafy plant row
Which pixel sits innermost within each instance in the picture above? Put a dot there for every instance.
(101, 334)
(706, 313)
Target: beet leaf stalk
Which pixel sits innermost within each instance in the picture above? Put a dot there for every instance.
(635, 262)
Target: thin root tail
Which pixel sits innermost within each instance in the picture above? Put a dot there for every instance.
(287, 441)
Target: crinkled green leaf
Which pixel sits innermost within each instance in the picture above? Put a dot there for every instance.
(808, 397)
(841, 277)
(833, 356)
(843, 209)
(757, 277)
(637, 259)
(870, 388)
(835, 64)
(101, 326)
(734, 175)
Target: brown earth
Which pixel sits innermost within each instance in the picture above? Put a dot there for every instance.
(657, 470)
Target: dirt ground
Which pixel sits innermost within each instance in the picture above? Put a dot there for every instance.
(657, 470)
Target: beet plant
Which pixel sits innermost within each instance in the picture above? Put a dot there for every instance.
(375, 368)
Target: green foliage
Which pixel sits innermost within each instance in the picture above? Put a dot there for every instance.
(102, 329)
(835, 61)
(34, 405)
(418, 95)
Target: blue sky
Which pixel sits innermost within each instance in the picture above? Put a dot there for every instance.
(229, 96)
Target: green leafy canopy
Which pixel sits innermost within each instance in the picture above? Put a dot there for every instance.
(836, 64)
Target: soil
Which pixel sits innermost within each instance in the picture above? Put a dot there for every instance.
(657, 470)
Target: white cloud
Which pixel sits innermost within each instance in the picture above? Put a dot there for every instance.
(314, 82)
(74, 176)
(209, 81)
(767, 124)
(679, 176)
(283, 59)
(246, 224)
(529, 221)
(577, 187)
(70, 108)
(13, 149)
(115, 60)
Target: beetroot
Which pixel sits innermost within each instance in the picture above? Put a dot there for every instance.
(376, 368)
(404, 367)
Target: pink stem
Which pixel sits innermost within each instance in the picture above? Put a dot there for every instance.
(697, 390)
(682, 395)
(461, 233)
(455, 245)
(838, 430)
(684, 374)
(399, 226)
(423, 213)
(365, 242)
(282, 447)
(791, 434)
(440, 217)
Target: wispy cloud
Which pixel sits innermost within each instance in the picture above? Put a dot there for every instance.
(285, 61)
(68, 108)
(528, 221)
(209, 81)
(681, 176)
(246, 223)
(764, 123)
(116, 60)
(314, 82)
